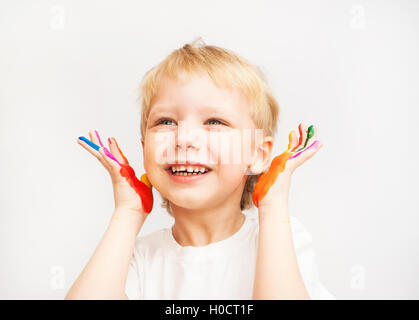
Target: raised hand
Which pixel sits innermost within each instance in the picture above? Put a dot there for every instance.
(275, 183)
(129, 192)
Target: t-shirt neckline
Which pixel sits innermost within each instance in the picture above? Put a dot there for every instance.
(214, 250)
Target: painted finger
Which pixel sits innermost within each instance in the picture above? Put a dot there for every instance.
(141, 188)
(107, 152)
(309, 135)
(98, 138)
(114, 150)
(311, 131)
(292, 140)
(89, 146)
(144, 179)
(308, 153)
(303, 133)
(119, 152)
(93, 149)
(111, 164)
(313, 147)
(94, 138)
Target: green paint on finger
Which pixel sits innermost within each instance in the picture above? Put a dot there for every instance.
(310, 134)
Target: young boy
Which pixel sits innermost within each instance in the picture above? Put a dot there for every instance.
(213, 250)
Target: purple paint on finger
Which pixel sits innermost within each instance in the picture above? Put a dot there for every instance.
(315, 144)
(97, 135)
(110, 155)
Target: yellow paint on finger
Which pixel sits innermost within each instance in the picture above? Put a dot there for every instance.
(289, 140)
(146, 181)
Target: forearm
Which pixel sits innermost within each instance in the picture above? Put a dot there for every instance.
(105, 274)
(277, 273)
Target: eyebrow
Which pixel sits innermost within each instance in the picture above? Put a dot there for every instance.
(166, 107)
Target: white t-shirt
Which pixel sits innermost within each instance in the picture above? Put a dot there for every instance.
(163, 269)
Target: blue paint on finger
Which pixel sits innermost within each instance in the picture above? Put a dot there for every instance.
(90, 143)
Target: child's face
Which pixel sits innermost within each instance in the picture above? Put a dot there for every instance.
(201, 109)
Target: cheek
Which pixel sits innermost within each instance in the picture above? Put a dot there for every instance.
(150, 164)
(230, 148)
(230, 176)
(147, 152)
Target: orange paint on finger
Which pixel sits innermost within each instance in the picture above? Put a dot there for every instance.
(266, 180)
(120, 152)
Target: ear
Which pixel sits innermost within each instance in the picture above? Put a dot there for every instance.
(142, 142)
(262, 156)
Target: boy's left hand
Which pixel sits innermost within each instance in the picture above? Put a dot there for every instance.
(272, 187)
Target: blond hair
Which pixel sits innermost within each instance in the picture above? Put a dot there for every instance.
(226, 69)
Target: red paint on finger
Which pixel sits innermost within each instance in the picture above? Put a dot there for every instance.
(144, 191)
(140, 187)
(300, 141)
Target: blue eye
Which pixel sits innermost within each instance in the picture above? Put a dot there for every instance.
(164, 121)
(216, 120)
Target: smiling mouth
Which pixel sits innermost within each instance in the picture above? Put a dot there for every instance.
(183, 171)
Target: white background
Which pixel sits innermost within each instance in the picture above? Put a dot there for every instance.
(349, 67)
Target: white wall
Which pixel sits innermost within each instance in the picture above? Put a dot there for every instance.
(350, 67)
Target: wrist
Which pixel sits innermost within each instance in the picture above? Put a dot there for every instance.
(128, 217)
(278, 210)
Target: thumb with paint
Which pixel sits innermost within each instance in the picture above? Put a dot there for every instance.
(130, 193)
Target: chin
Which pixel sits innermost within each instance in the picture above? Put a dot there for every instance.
(190, 201)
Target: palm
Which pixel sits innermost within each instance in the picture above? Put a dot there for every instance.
(129, 191)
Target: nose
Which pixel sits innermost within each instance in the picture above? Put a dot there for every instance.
(179, 146)
(188, 137)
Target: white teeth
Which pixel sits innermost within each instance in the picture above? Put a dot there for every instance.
(182, 170)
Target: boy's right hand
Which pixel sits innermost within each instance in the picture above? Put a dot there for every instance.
(129, 192)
